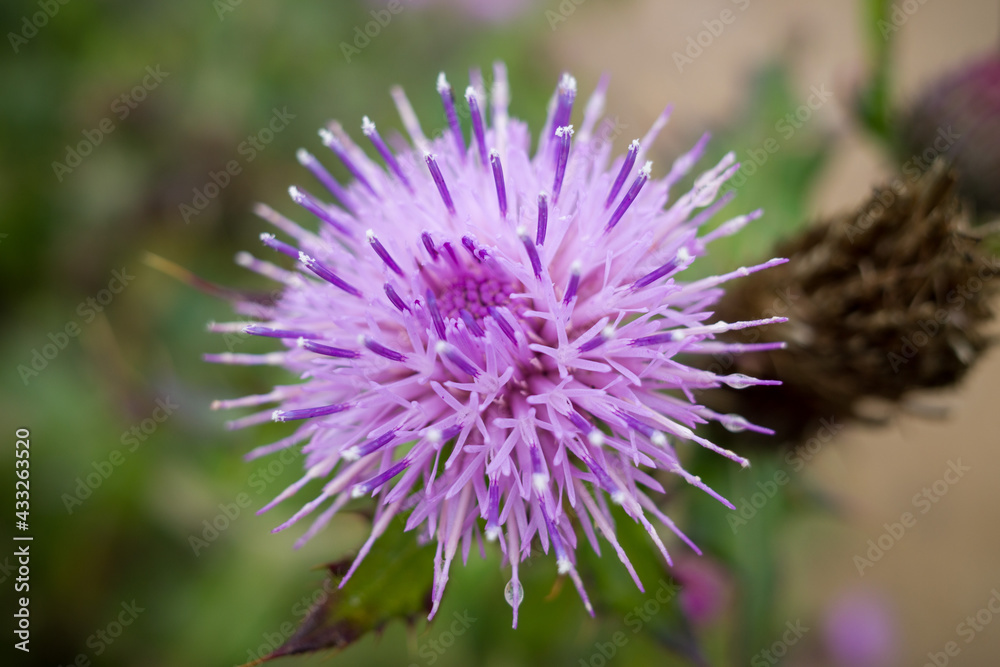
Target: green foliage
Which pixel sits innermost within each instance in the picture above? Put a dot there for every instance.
(874, 105)
(782, 149)
(393, 582)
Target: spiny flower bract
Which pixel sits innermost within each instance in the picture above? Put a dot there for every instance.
(488, 339)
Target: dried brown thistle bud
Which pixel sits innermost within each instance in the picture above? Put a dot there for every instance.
(887, 299)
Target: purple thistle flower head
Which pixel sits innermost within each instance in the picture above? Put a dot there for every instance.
(487, 338)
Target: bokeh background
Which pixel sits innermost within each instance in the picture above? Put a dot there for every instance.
(120, 541)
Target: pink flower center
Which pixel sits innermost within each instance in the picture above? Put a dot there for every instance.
(474, 293)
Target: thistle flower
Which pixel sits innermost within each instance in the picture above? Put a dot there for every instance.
(488, 341)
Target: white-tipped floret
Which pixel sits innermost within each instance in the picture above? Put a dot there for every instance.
(295, 194)
(442, 83)
(350, 454)
(278, 416)
(367, 126)
(576, 268)
(658, 439)
(433, 435)
(358, 490)
(304, 157)
(441, 347)
(647, 169)
(328, 138)
(563, 565)
(540, 481)
(370, 235)
(596, 438)
(492, 533)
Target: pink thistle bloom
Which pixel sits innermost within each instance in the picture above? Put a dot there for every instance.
(859, 630)
(707, 589)
(488, 339)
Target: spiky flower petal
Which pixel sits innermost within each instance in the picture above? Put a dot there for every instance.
(488, 340)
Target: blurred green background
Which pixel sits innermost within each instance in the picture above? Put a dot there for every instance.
(117, 492)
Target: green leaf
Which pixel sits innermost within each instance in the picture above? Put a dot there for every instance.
(393, 582)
